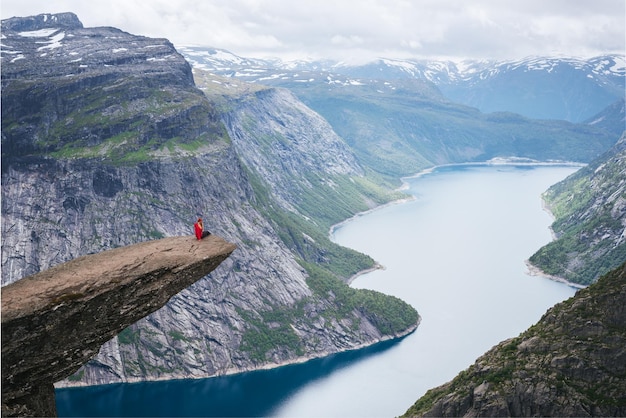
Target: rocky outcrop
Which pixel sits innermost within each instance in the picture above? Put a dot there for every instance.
(56, 320)
(571, 363)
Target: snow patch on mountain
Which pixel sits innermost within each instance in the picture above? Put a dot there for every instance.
(41, 33)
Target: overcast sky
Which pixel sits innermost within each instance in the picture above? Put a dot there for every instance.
(359, 30)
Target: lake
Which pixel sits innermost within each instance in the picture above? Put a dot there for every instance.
(456, 253)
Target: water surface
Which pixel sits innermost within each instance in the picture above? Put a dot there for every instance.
(456, 253)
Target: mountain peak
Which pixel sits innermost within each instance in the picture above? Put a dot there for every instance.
(65, 20)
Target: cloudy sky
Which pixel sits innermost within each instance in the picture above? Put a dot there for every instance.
(360, 30)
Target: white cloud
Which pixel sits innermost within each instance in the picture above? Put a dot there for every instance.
(362, 29)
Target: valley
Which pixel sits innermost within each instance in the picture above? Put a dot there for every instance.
(111, 139)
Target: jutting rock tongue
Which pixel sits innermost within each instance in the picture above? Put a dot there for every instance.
(56, 320)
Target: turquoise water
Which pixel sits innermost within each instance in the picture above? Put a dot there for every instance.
(456, 253)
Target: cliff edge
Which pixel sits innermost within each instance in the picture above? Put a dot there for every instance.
(56, 320)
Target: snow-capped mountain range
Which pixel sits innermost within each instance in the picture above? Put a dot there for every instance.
(567, 88)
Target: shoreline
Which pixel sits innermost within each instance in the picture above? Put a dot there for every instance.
(511, 161)
(65, 384)
(537, 272)
(533, 270)
(336, 226)
(377, 266)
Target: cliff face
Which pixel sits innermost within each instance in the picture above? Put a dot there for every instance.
(56, 320)
(106, 141)
(571, 363)
(273, 119)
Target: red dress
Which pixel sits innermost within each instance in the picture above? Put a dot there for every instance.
(198, 230)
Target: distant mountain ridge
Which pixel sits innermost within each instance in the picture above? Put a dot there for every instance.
(401, 125)
(564, 88)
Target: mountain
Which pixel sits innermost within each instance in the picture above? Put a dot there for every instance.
(571, 363)
(562, 88)
(590, 220)
(110, 139)
(107, 141)
(409, 119)
(612, 118)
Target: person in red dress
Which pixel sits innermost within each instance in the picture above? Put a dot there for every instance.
(199, 228)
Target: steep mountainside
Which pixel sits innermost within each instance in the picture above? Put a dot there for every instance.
(408, 119)
(106, 141)
(309, 170)
(590, 226)
(571, 363)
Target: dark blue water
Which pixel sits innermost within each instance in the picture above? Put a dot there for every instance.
(258, 393)
(456, 253)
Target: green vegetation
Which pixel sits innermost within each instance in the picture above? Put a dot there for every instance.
(129, 122)
(307, 233)
(129, 335)
(273, 331)
(178, 336)
(591, 260)
(78, 376)
(389, 314)
(588, 222)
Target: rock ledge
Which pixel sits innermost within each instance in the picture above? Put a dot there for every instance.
(56, 320)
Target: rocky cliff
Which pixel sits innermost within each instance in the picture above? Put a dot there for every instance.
(107, 141)
(56, 320)
(571, 363)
